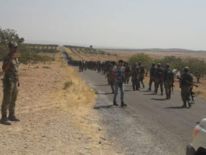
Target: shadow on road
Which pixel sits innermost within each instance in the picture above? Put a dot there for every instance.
(103, 107)
(149, 94)
(176, 107)
(146, 91)
(127, 90)
(159, 99)
(101, 85)
(103, 93)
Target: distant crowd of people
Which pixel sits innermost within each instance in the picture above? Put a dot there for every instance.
(161, 78)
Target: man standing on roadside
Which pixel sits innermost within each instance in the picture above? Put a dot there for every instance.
(119, 77)
(10, 84)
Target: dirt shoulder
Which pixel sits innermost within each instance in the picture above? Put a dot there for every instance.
(56, 111)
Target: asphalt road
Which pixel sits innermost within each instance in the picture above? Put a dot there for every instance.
(149, 124)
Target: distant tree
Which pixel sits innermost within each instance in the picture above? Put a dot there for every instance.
(143, 58)
(173, 61)
(197, 67)
(9, 35)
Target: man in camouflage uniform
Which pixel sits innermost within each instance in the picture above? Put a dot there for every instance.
(10, 84)
(127, 73)
(135, 77)
(168, 81)
(119, 77)
(152, 76)
(159, 79)
(110, 76)
(186, 83)
(141, 74)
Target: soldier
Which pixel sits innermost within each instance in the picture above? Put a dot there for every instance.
(81, 66)
(135, 77)
(152, 76)
(168, 81)
(119, 77)
(127, 73)
(186, 83)
(10, 83)
(110, 76)
(159, 79)
(141, 74)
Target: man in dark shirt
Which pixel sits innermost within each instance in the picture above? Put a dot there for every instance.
(186, 84)
(10, 84)
(152, 76)
(159, 79)
(168, 81)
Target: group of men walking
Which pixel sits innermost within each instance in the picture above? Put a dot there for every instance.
(161, 76)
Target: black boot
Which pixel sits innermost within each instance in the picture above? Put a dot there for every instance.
(114, 103)
(5, 121)
(123, 104)
(13, 118)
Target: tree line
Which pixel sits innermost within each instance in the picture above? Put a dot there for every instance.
(197, 66)
(28, 55)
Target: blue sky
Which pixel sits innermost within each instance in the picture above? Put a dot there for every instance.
(109, 23)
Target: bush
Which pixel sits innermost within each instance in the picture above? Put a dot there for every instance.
(197, 66)
(3, 52)
(143, 58)
(28, 55)
(173, 61)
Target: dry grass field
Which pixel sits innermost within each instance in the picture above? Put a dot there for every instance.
(95, 57)
(56, 111)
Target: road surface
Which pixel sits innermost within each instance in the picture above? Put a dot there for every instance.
(149, 125)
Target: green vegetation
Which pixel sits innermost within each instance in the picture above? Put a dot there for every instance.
(197, 66)
(143, 58)
(27, 54)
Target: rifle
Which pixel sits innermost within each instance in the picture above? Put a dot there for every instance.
(190, 83)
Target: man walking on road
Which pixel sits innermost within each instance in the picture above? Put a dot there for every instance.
(159, 78)
(186, 84)
(141, 74)
(10, 84)
(119, 77)
(168, 81)
(135, 77)
(152, 76)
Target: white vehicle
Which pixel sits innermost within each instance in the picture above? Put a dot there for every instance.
(198, 145)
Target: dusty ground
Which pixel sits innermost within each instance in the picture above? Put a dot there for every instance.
(56, 112)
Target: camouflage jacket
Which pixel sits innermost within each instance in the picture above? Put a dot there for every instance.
(11, 72)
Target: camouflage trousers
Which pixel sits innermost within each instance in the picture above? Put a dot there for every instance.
(168, 89)
(10, 93)
(185, 94)
(151, 80)
(135, 84)
(158, 83)
(118, 85)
